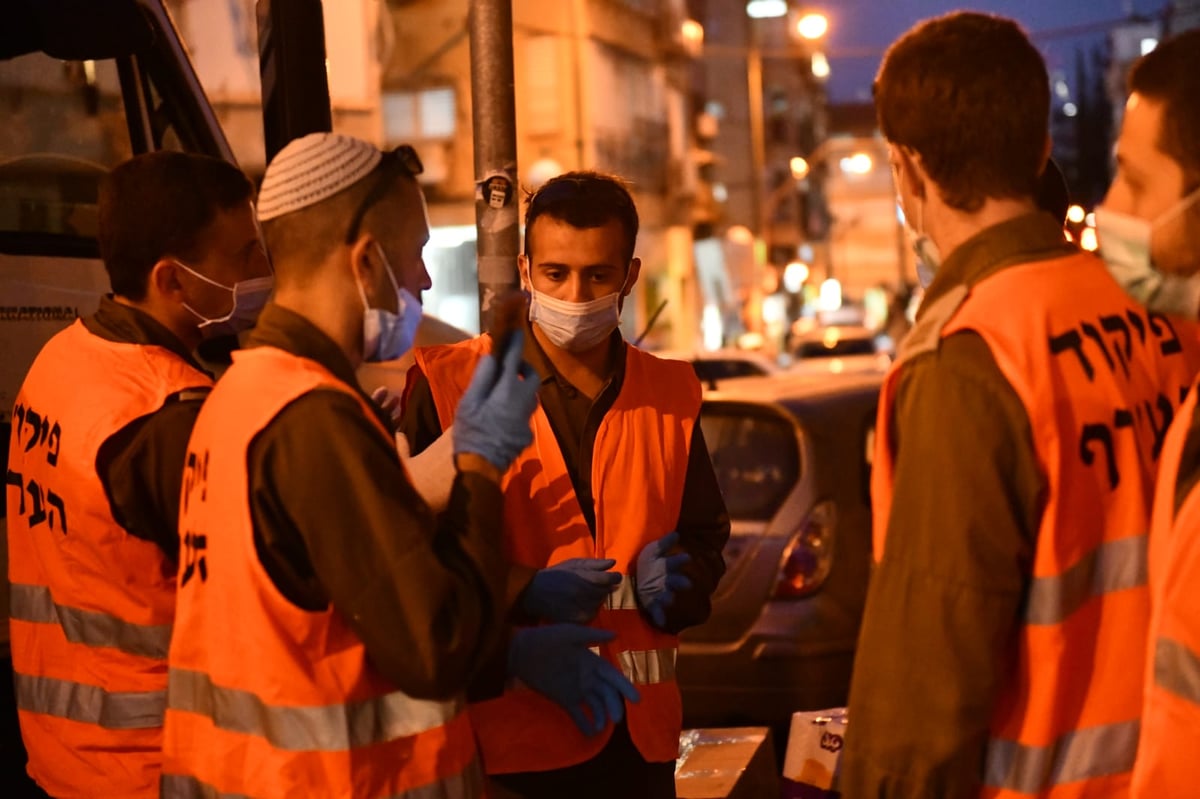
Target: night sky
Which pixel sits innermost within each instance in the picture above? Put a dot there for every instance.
(860, 30)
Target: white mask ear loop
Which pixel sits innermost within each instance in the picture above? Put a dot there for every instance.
(1177, 209)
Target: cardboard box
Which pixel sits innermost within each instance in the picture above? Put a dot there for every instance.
(726, 763)
(814, 750)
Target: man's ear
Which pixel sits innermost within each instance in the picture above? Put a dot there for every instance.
(912, 172)
(164, 280)
(364, 260)
(631, 278)
(523, 272)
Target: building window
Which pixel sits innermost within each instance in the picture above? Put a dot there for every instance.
(419, 115)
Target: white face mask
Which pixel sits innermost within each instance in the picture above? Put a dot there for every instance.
(387, 335)
(929, 258)
(576, 326)
(249, 297)
(1125, 242)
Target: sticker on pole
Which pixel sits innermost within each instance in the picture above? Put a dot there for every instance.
(496, 190)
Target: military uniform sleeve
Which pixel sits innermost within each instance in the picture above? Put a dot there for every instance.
(703, 532)
(942, 613)
(419, 420)
(425, 595)
(141, 469)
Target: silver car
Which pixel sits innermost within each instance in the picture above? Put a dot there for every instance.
(792, 456)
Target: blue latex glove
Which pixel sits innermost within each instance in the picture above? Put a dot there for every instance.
(555, 661)
(493, 415)
(659, 575)
(571, 590)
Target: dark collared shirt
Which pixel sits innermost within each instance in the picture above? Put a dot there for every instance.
(943, 609)
(703, 523)
(141, 465)
(336, 521)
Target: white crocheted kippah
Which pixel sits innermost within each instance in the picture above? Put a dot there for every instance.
(311, 169)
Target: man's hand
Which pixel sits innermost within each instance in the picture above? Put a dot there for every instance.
(492, 420)
(556, 661)
(659, 576)
(570, 591)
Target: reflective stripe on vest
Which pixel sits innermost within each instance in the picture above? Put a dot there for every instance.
(1115, 565)
(33, 603)
(648, 666)
(467, 784)
(624, 597)
(324, 728)
(90, 704)
(1079, 755)
(1177, 669)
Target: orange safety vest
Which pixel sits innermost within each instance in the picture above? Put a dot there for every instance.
(1100, 379)
(91, 606)
(639, 465)
(1167, 763)
(266, 699)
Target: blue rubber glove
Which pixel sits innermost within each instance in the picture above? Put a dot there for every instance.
(493, 415)
(659, 576)
(571, 590)
(555, 661)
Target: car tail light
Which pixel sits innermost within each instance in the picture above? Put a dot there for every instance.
(809, 555)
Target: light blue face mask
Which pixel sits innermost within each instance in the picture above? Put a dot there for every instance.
(1125, 246)
(387, 335)
(929, 258)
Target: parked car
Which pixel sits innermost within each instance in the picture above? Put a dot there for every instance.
(792, 454)
(716, 366)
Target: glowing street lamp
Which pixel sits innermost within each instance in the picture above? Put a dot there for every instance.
(799, 167)
(812, 26)
(820, 66)
(766, 9)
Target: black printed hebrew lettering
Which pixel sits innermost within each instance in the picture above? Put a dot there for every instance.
(34, 422)
(38, 514)
(55, 501)
(1091, 332)
(1115, 324)
(1160, 430)
(16, 479)
(1101, 433)
(1137, 322)
(54, 443)
(194, 548)
(19, 416)
(1122, 419)
(1072, 341)
(1168, 338)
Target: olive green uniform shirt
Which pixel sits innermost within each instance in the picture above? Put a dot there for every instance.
(939, 634)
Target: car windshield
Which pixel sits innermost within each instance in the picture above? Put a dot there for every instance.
(831, 348)
(755, 455)
(714, 370)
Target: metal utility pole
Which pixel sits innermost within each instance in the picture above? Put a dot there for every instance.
(494, 122)
(291, 58)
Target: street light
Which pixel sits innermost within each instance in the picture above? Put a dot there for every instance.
(766, 9)
(812, 26)
(799, 167)
(820, 66)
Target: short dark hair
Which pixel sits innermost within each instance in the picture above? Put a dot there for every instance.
(970, 94)
(159, 204)
(583, 199)
(1170, 74)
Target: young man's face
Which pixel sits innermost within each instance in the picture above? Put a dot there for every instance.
(233, 252)
(1150, 183)
(578, 264)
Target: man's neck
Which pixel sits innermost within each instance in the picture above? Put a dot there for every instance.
(188, 333)
(327, 315)
(957, 226)
(587, 371)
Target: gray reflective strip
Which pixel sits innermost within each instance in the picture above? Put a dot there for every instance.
(324, 728)
(625, 597)
(467, 784)
(648, 666)
(90, 704)
(1112, 566)
(1080, 755)
(33, 603)
(1177, 669)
